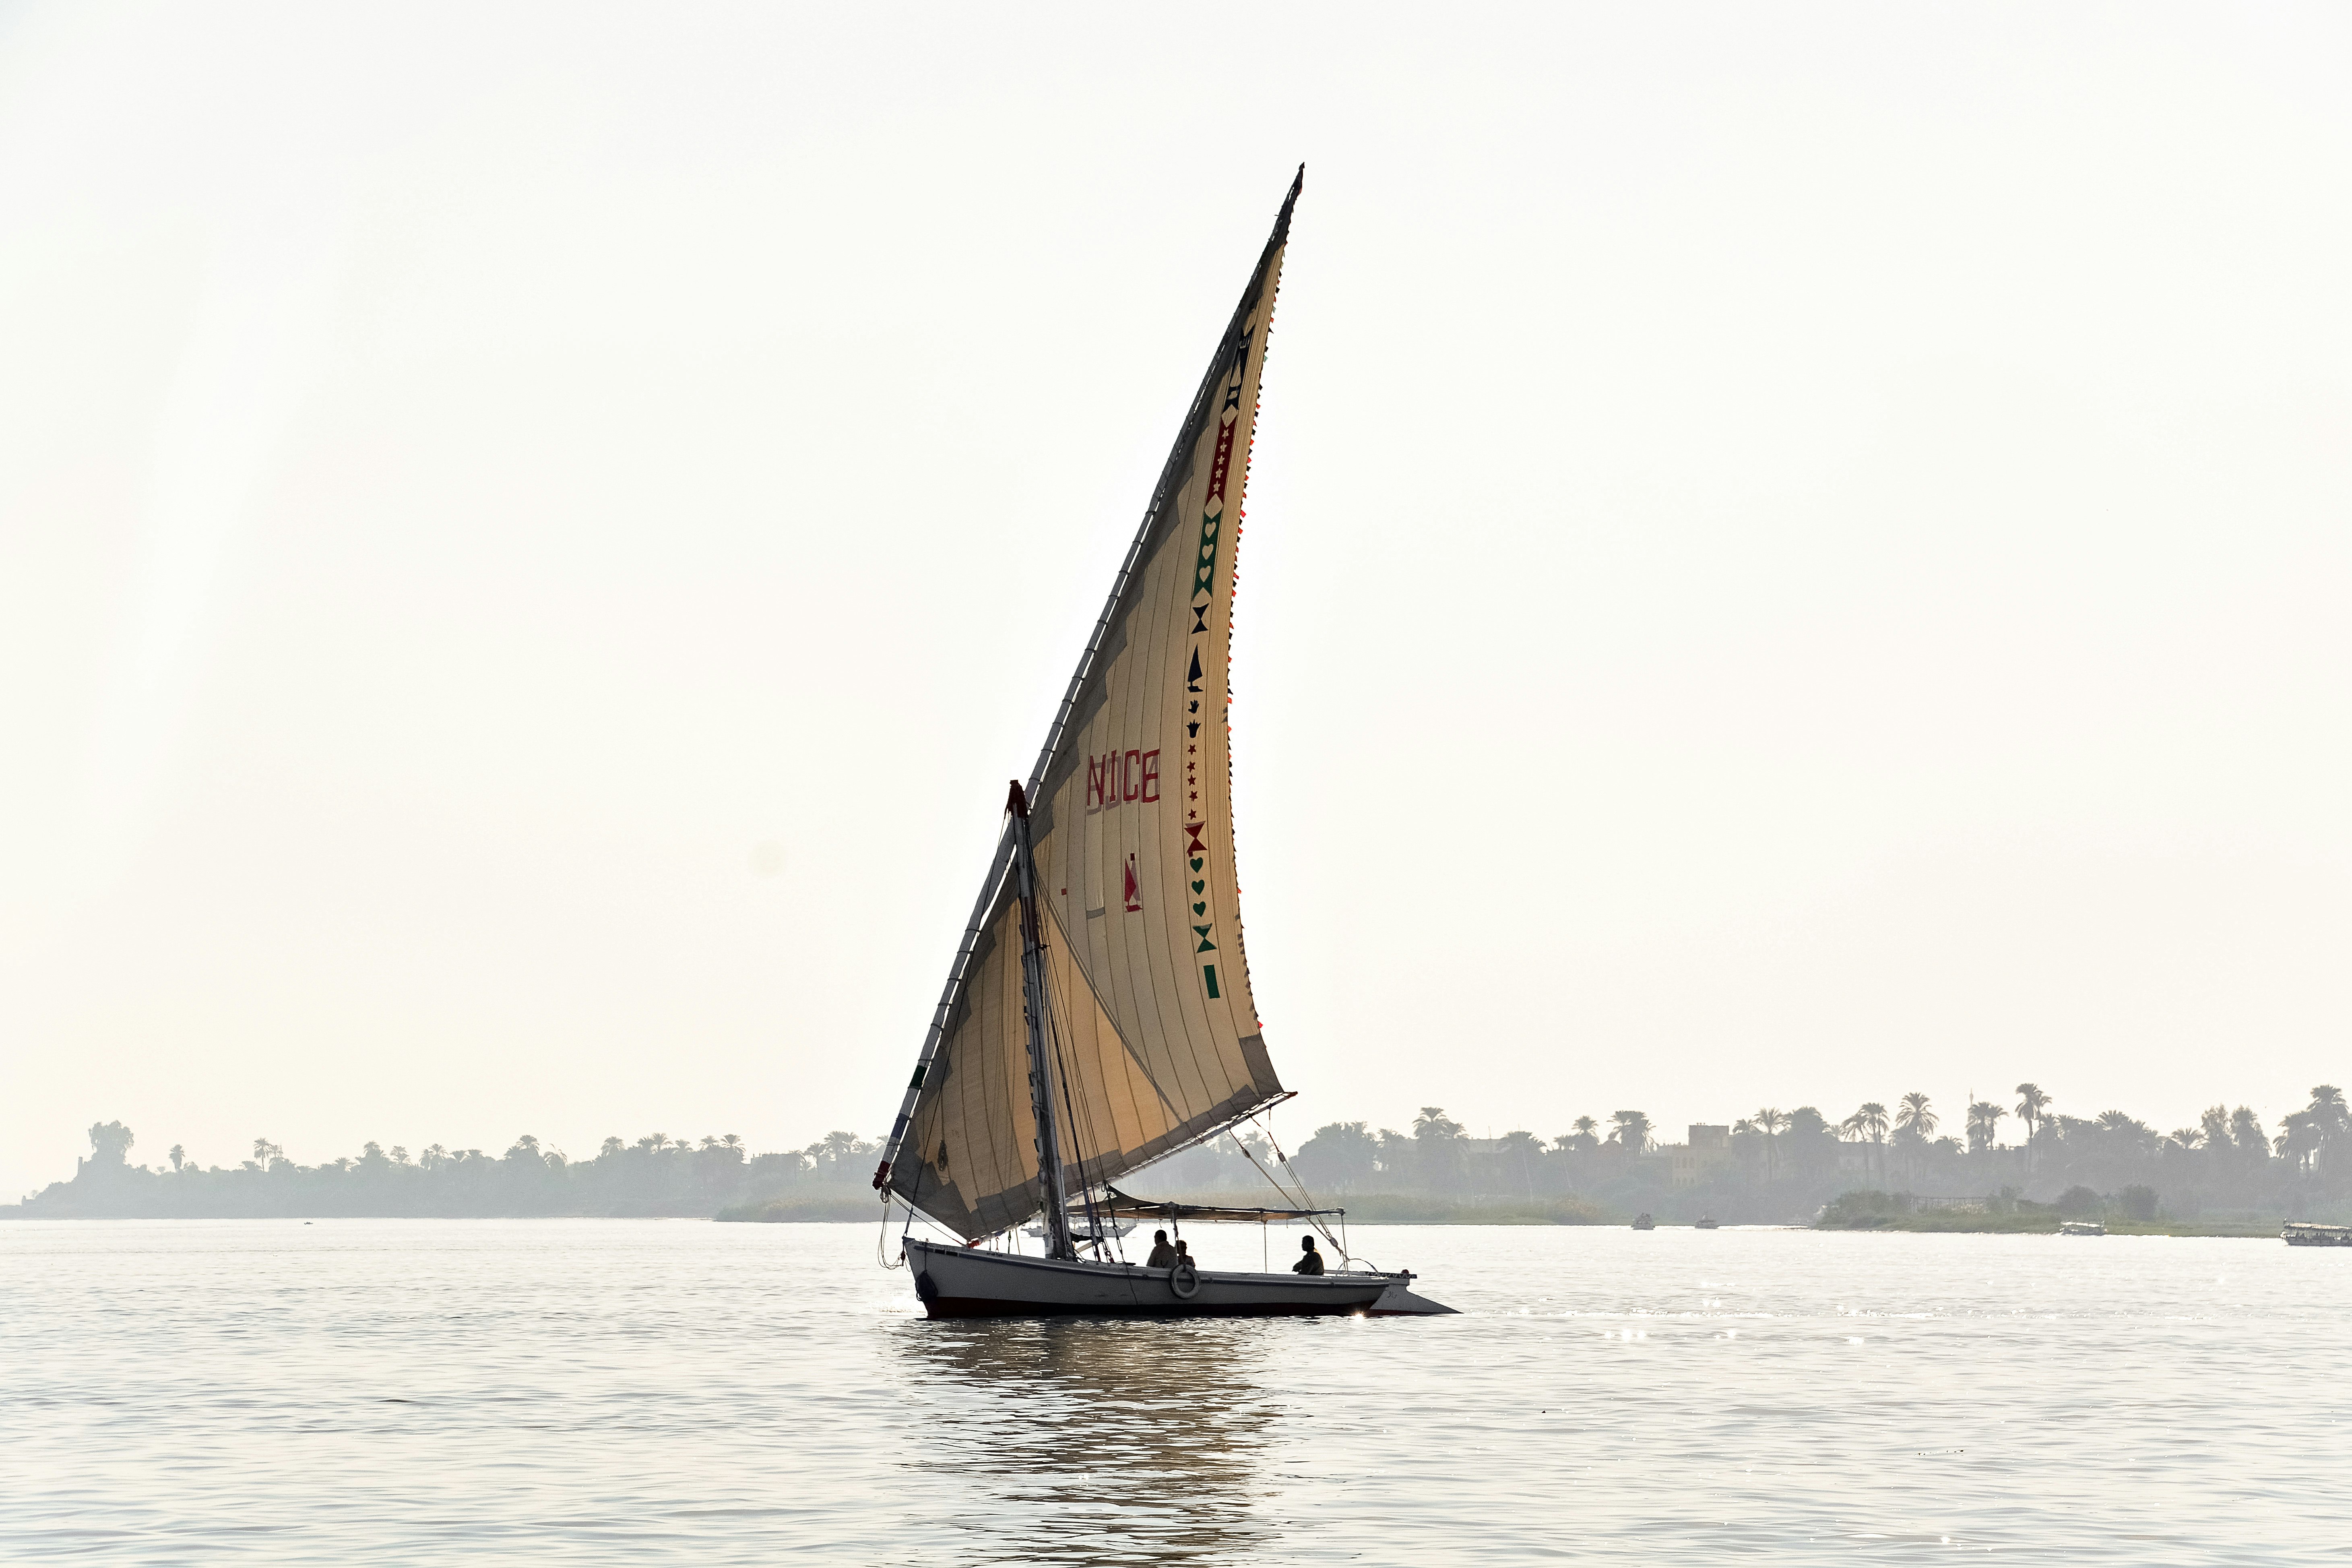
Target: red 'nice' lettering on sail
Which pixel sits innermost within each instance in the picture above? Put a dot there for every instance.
(1117, 776)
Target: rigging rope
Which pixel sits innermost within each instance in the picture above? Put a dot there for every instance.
(1302, 1198)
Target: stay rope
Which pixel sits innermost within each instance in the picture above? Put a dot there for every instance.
(1304, 1199)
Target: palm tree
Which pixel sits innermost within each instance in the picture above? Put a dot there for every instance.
(1916, 1116)
(839, 1149)
(2030, 1103)
(1769, 1122)
(1632, 1129)
(2214, 1127)
(1850, 1131)
(1871, 1122)
(2331, 1118)
(1433, 1122)
(2299, 1138)
(2246, 1132)
(1437, 1148)
(1581, 1139)
(1984, 1118)
(1915, 1123)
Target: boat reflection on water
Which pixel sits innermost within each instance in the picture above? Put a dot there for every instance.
(1122, 1440)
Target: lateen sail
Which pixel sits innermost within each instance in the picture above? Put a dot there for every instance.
(1154, 1029)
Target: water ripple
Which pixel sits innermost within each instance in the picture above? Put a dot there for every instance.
(606, 1391)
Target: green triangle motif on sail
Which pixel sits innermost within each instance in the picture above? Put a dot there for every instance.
(1152, 1025)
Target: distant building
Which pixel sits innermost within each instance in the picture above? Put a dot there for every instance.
(1709, 1145)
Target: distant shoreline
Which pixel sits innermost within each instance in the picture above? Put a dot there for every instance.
(2224, 1177)
(1956, 1225)
(2042, 1224)
(1388, 1210)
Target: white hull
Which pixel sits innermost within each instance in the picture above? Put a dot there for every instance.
(2297, 1234)
(966, 1282)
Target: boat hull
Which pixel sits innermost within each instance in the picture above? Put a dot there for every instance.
(966, 1282)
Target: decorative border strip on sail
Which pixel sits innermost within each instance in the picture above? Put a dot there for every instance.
(1204, 589)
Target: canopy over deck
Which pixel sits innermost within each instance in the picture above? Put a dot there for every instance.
(1123, 1206)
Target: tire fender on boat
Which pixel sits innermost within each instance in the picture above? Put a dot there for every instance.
(1184, 1280)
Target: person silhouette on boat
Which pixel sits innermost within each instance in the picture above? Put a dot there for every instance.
(1309, 1260)
(1162, 1254)
(1184, 1255)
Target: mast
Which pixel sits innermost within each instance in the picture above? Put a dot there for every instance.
(1034, 1003)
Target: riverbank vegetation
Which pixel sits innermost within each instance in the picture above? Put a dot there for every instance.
(1871, 1169)
(2227, 1173)
(654, 1175)
(2133, 1212)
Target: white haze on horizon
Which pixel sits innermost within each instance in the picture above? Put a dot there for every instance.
(1794, 554)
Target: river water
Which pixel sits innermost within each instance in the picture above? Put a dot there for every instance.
(618, 1391)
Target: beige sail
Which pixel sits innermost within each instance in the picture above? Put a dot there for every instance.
(1154, 1029)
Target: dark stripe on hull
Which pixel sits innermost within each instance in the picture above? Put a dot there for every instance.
(971, 1307)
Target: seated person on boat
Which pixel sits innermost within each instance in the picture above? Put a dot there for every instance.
(1162, 1254)
(1310, 1261)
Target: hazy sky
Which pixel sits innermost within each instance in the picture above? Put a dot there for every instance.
(1795, 553)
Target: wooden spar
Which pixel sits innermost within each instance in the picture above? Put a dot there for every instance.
(1050, 1183)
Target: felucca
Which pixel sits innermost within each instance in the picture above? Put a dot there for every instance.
(1098, 1014)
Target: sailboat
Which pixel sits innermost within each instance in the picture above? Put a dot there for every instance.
(1099, 1015)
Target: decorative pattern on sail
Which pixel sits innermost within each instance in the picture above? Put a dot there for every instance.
(1153, 1027)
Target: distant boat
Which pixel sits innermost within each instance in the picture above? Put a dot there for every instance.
(1703, 1224)
(1644, 1222)
(2296, 1233)
(1099, 1015)
(2081, 1227)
